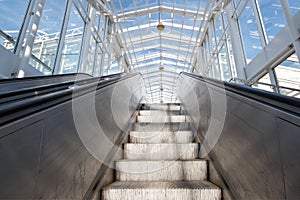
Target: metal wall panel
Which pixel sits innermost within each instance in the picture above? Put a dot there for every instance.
(256, 153)
(47, 157)
(19, 160)
(289, 136)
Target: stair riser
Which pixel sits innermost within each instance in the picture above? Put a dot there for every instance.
(161, 137)
(162, 107)
(161, 170)
(161, 151)
(162, 119)
(161, 127)
(161, 194)
(155, 113)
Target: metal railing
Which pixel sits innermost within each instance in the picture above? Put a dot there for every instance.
(280, 88)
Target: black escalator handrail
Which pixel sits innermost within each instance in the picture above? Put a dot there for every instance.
(289, 104)
(67, 83)
(13, 110)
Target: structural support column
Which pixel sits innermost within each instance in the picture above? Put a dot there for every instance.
(293, 29)
(24, 28)
(84, 61)
(239, 56)
(57, 62)
(30, 38)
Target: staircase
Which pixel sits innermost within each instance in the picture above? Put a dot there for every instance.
(161, 161)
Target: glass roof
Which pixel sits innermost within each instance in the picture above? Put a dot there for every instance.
(159, 55)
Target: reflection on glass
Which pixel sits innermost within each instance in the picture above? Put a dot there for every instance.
(97, 70)
(294, 5)
(288, 75)
(12, 13)
(224, 64)
(249, 33)
(72, 43)
(91, 56)
(272, 16)
(218, 27)
(46, 41)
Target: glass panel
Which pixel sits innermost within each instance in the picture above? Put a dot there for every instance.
(288, 75)
(72, 43)
(224, 64)
(294, 5)
(249, 33)
(97, 70)
(46, 41)
(273, 17)
(12, 13)
(218, 28)
(168, 3)
(179, 4)
(231, 56)
(194, 4)
(91, 56)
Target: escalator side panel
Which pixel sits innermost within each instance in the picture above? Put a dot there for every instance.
(44, 155)
(255, 154)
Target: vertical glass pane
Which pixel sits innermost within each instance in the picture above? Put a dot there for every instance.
(273, 16)
(224, 64)
(72, 43)
(288, 75)
(294, 5)
(46, 41)
(97, 69)
(12, 13)
(231, 56)
(218, 27)
(249, 33)
(91, 56)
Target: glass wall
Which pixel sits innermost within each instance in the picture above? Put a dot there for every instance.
(46, 41)
(294, 6)
(252, 24)
(249, 30)
(272, 16)
(12, 13)
(76, 44)
(72, 44)
(288, 76)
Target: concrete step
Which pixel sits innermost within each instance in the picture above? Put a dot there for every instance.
(161, 107)
(161, 151)
(161, 137)
(161, 126)
(158, 112)
(161, 190)
(162, 119)
(152, 170)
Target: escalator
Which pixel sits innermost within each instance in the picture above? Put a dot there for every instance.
(61, 135)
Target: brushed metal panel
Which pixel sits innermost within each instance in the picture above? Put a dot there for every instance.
(67, 170)
(255, 156)
(289, 149)
(19, 158)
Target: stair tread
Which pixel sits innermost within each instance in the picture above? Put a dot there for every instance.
(189, 185)
(191, 160)
(162, 118)
(162, 161)
(161, 151)
(161, 112)
(158, 132)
